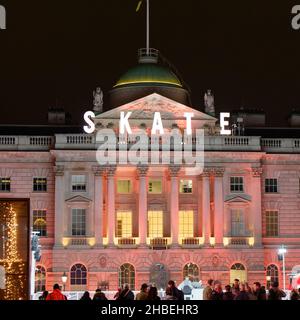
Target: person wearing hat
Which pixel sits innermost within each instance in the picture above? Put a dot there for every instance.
(143, 294)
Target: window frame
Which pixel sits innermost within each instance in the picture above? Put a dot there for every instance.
(81, 231)
(185, 232)
(234, 185)
(83, 279)
(3, 185)
(130, 186)
(151, 180)
(77, 184)
(41, 214)
(271, 186)
(181, 186)
(119, 233)
(238, 231)
(270, 232)
(41, 187)
(159, 227)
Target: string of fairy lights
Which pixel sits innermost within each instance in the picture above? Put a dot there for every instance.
(14, 266)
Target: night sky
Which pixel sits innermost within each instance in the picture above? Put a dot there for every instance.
(54, 53)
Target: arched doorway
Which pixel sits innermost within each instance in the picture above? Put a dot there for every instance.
(191, 271)
(238, 271)
(272, 274)
(127, 275)
(40, 279)
(159, 276)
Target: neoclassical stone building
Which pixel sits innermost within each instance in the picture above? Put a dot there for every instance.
(109, 225)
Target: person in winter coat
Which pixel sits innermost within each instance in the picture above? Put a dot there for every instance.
(228, 295)
(208, 290)
(259, 291)
(126, 293)
(99, 295)
(275, 293)
(143, 294)
(56, 294)
(242, 294)
(217, 293)
(86, 296)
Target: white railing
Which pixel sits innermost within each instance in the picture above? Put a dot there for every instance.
(211, 143)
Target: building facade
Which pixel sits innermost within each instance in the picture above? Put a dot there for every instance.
(114, 224)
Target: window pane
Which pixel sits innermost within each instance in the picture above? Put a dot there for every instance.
(40, 222)
(237, 222)
(40, 184)
(272, 224)
(271, 185)
(155, 186)
(5, 184)
(236, 184)
(78, 183)
(78, 222)
(155, 224)
(186, 186)
(124, 224)
(186, 224)
(123, 186)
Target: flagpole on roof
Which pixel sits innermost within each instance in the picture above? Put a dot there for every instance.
(148, 28)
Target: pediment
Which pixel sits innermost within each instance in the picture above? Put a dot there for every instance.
(78, 199)
(240, 198)
(144, 108)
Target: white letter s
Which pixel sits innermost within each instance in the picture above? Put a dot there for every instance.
(87, 118)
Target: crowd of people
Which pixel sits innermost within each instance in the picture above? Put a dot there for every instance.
(243, 291)
(213, 291)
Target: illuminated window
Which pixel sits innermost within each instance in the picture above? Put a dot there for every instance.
(40, 279)
(40, 184)
(186, 186)
(191, 271)
(78, 275)
(78, 183)
(237, 223)
(127, 276)
(40, 222)
(124, 224)
(155, 186)
(271, 186)
(236, 184)
(124, 186)
(78, 222)
(272, 272)
(155, 224)
(5, 184)
(186, 224)
(272, 224)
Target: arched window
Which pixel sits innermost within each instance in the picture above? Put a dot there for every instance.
(238, 271)
(127, 275)
(78, 276)
(40, 279)
(272, 274)
(191, 271)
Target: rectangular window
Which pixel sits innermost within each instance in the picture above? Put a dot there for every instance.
(79, 183)
(272, 224)
(237, 223)
(40, 184)
(186, 186)
(5, 184)
(124, 186)
(236, 184)
(155, 186)
(124, 224)
(271, 186)
(40, 222)
(155, 224)
(78, 222)
(186, 224)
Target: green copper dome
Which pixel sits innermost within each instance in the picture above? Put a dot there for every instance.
(149, 73)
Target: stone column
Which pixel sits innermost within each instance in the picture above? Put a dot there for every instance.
(98, 205)
(174, 204)
(59, 205)
(111, 227)
(143, 204)
(256, 214)
(218, 205)
(206, 206)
